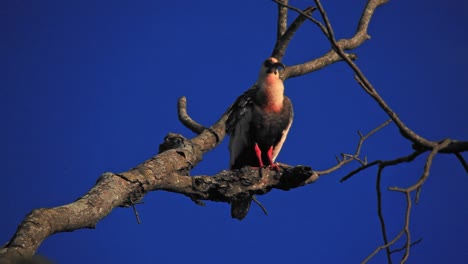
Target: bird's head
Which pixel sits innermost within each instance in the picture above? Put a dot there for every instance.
(270, 66)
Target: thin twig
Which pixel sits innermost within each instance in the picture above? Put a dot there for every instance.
(404, 247)
(348, 157)
(260, 204)
(136, 214)
(427, 168)
(377, 250)
(385, 163)
(462, 161)
(380, 213)
(406, 228)
(356, 171)
(135, 210)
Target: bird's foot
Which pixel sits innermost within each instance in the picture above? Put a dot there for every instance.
(275, 167)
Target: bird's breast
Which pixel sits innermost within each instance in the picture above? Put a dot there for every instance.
(268, 126)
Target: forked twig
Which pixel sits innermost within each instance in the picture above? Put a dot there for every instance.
(346, 158)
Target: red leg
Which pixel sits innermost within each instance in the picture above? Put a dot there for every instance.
(270, 157)
(259, 155)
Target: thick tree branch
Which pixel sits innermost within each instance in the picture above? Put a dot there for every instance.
(166, 171)
(177, 157)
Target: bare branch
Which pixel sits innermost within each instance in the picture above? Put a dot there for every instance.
(356, 171)
(405, 131)
(167, 171)
(407, 191)
(345, 44)
(282, 43)
(383, 227)
(260, 205)
(377, 250)
(282, 19)
(462, 161)
(185, 119)
(314, 65)
(304, 14)
(348, 157)
(427, 168)
(385, 163)
(137, 215)
(404, 247)
(177, 157)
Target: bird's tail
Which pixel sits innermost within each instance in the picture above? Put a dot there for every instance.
(240, 206)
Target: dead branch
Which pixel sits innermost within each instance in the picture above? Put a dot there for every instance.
(404, 247)
(185, 119)
(114, 190)
(346, 158)
(283, 40)
(304, 14)
(419, 143)
(282, 19)
(462, 161)
(345, 44)
(405, 131)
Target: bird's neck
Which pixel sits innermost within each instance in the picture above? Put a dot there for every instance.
(272, 90)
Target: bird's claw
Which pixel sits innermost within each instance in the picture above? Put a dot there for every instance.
(275, 167)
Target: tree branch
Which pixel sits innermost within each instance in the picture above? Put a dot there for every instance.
(185, 119)
(462, 161)
(407, 191)
(405, 131)
(348, 158)
(345, 44)
(282, 42)
(282, 19)
(166, 171)
(176, 158)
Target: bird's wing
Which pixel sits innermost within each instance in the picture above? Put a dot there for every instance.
(238, 124)
(277, 147)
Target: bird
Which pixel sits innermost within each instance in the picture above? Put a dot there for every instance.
(258, 124)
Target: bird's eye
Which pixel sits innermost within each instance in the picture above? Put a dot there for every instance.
(268, 63)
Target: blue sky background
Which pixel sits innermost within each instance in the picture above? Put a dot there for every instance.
(91, 86)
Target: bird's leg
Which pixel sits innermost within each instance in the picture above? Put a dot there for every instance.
(259, 155)
(270, 158)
